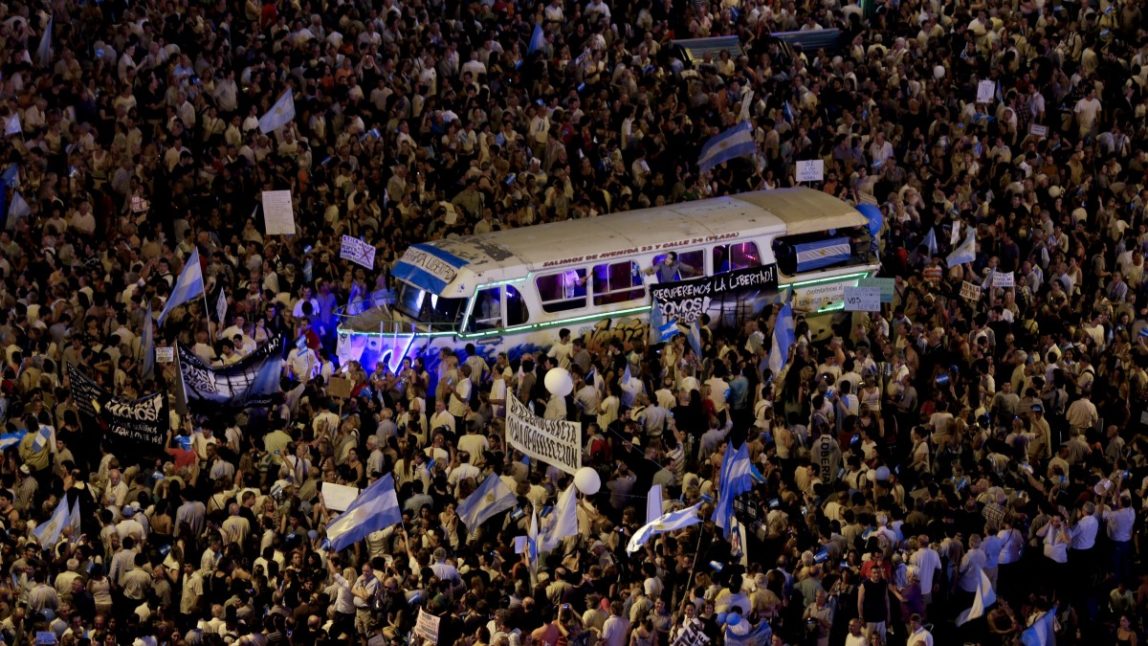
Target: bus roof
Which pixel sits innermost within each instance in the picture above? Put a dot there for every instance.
(455, 266)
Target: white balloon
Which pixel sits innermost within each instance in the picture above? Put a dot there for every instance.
(587, 481)
(559, 382)
(939, 72)
(882, 473)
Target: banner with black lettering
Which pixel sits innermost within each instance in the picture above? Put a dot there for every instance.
(684, 301)
(555, 442)
(253, 381)
(140, 423)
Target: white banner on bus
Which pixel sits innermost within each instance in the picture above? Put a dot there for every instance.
(358, 252)
(556, 442)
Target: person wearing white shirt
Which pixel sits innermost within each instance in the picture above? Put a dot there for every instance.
(918, 636)
(1119, 523)
(971, 565)
(928, 563)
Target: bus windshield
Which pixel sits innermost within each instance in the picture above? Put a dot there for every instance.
(426, 307)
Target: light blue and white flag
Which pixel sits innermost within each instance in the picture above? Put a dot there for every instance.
(564, 520)
(661, 330)
(654, 504)
(43, 438)
(694, 337)
(823, 253)
(490, 499)
(280, 114)
(735, 479)
(742, 634)
(670, 522)
(44, 51)
(731, 144)
(12, 125)
(966, 252)
(984, 598)
(784, 336)
(376, 508)
(49, 532)
(17, 209)
(189, 285)
(1042, 631)
(537, 40)
(930, 241)
(11, 439)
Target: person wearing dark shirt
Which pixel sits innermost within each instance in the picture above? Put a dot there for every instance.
(873, 603)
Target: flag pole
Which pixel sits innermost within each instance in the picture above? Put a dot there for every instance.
(207, 313)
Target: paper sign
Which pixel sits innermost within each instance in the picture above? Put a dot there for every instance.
(358, 252)
(811, 299)
(339, 387)
(337, 497)
(520, 544)
(427, 626)
(1004, 279)
(862, 299)
(970, 291)
(985, 91)
(221, 307)
(165, 355)
(811, 170)
(278, 213)
(886, 285)
(1038, 131)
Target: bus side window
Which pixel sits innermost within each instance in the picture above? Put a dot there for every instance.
(617, 282)
(516, 310)
(487, 312)
(565, 290)
(740, 255)
(695, 260)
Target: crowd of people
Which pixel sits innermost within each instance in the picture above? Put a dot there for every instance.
(917, 454)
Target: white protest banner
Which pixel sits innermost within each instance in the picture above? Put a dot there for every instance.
(811, 170)
(970, 291)
(862, 299)
(985, 91)
(426, 626)
(692, 633)
(278, 213)
(358, 252)
(337, 497)
(165, 355)
(555, 442)
(1004, 279)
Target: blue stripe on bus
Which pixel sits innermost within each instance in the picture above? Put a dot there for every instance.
(419, 278)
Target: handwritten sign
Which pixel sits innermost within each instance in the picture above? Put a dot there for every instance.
(278, 213)
(862, 299)
(165, 355)
(811, 170)
(1038, 130)
(970, 291)
(358, 252)
(985, 91)
(1004, 279)
(886, 285)
(427, 626)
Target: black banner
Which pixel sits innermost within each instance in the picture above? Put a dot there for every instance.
(684, 301)
(140, 422)
(253, 381)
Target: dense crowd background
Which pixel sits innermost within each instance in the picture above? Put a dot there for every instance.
(919, 447)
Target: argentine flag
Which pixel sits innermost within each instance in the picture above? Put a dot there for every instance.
(930, 242)
(189, 285)
(44, 51)
(537, 40)
(967, 252)
(672, 521)
(564, 520)
(280, 114)
(377, 507)
(491, 498)
(49, 532)
(784, 337)
(661, 330)
(736, 478)
(731, 144)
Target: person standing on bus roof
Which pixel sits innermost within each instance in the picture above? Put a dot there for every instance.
(670, 269)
